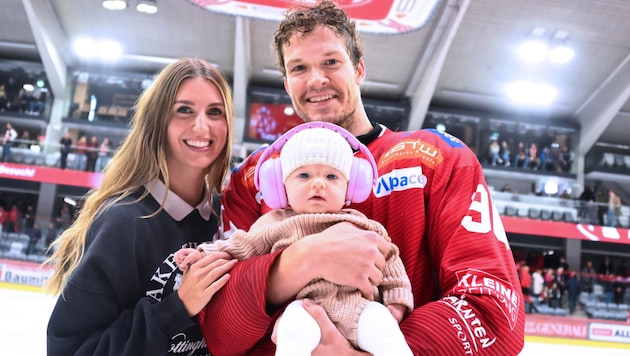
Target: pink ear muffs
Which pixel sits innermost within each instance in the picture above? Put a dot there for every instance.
(268, 173)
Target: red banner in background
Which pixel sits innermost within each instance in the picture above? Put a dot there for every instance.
(50, 175)
(515, 225)
(566, 230)
(383, 16)
(26, 273)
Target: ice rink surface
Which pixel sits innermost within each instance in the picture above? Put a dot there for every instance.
(24, 313)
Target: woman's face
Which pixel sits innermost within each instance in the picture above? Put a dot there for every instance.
(198, 128)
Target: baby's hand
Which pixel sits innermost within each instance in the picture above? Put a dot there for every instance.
(398, 311)
(185, 257)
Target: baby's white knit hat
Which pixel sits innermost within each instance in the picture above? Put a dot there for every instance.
(316, 145)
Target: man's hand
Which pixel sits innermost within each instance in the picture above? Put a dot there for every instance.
(350, 256)
(332, 342)
(343, 254)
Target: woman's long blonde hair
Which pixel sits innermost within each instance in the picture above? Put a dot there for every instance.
(140, 159)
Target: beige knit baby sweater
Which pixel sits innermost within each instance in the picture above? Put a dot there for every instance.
(281, 227)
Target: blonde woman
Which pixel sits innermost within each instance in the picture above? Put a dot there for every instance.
(121, 292)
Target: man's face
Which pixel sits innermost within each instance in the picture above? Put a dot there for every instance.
(320, 77)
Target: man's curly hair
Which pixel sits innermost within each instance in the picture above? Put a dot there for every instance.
(305, 18)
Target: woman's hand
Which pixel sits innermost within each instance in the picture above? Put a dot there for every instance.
(203, 279)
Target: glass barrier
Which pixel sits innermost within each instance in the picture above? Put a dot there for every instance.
(560, 209)
(80, 157)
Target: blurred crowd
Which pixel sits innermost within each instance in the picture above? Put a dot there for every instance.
(560, 286)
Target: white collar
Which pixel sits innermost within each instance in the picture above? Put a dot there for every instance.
(175, 206)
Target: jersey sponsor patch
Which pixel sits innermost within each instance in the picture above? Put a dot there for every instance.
(473, 281)
(400, 179)
(450, 139)
(412, 149)
(468, 328)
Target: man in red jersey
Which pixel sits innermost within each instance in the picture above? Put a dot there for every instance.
(431, 196)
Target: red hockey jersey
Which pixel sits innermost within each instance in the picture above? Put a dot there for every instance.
(432, 198)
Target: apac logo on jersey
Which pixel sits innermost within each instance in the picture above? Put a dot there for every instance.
(450, 139)
(473, 281)
(400, 179)
(413, 148)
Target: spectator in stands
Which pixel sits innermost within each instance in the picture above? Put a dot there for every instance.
(103, 155)
(91, 154)
(614, 208)
(545, 296)
(80, 151)
(29, 219)
(521, 159)
(621, 282)
(33, 238)
(37, 102)
(7, 141)
(4, 219)
(13, 221)
(602, 205)
(65, 145)
(495, 148)
(549, 277)
(24, 97)
(622, 269)
(526, 287)
(506, 188)
(547, 160)
(586, 200)
(565, 159)
(3, 97)
(13, 92)
(538, 283)
(505, 153)
(561, 282)
(609, 287)
(606, 267)
(555, 296)
(51, 236)
(607, 274)
(533, 156)
(587, 279)
(25, 140)
(573, 291)
(619, 289)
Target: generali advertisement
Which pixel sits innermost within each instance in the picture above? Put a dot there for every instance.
(576, 328)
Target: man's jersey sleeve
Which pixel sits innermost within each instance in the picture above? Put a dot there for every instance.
(479, 305)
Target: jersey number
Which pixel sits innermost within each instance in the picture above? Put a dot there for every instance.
(490, 218)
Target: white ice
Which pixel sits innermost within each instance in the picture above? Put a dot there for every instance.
(24, 317)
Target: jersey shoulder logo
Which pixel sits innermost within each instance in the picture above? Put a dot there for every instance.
(448, 138)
